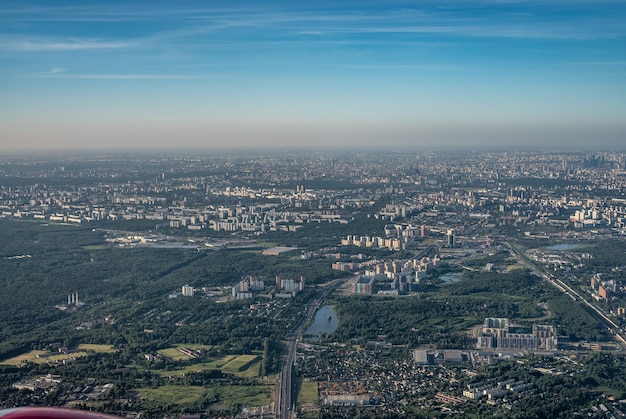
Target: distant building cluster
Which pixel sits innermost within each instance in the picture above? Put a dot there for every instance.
(603, 289)
(47, 382)
(395, 277)
(393, 212)
(479, 390)
(73, 302)
(277, 210)
(410, 270)
(496, 334)
(207, 192)
(449, 357)
(247, 288)
(398, 236)
(590, 217)
(244, 289)
(345, 266)
(289, 287)
(374, 242)
(251, 286)
(349, 393)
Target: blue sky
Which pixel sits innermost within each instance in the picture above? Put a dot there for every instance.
(139, 74)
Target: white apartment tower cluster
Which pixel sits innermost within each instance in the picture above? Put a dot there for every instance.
(72, 299)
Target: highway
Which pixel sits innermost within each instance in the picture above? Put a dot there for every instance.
(284, 402)
(596, 311)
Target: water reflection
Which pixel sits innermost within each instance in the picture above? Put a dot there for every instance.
(450, 277)
(563, 247)
(325, 321)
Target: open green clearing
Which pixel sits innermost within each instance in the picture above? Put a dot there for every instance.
(220, 362)
(188, 369)
(259, 395)
(608, 390)
(106, 349)
(231, 395)
(240, 363)
(18, 360)
(36, 356)
(308, 392)
(176, 355)
(243, 366)
(176, 395)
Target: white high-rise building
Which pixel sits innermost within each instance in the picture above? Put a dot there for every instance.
(187, 291)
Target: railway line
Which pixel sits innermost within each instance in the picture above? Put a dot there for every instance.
(595, 311)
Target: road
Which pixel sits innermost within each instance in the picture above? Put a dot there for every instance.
(596, 311)
(284, 403)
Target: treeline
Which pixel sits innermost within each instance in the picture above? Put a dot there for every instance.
(574, 321)
(442, 315)
(410, 321)
(518, 282)
(124, 284)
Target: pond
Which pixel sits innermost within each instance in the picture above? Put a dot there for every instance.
(325, 321)
(563, 246)
(451, 277)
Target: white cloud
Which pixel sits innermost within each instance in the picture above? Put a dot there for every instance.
(32, 44)
(52, 71)
(386, 67)
(125, 76)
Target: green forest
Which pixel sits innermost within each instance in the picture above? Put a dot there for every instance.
(127, 305)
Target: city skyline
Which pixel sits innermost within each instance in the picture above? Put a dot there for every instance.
(306, 75)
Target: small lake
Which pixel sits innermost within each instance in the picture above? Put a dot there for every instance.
(451, 277)
(325, 321)
(563, 247)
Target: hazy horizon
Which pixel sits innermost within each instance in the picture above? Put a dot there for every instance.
(157, 75)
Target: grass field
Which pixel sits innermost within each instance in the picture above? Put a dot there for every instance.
(251, 372)
(202, 366)
(96, 247)
(247, 395)
(29, 356)
(227, 394)
(308, 392)
(219, 363)
(240, 363)
(615, 393)
(106, 349)
(244, 366)
(175, 355)
(175, 395)
(82, 351)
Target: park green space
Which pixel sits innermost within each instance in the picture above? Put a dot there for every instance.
(175, 395)
(26, 357)
(308, 392)
(132, 287)
(231, 395)
(175, 354)
(608, 390)
(243, 366)
(240, 363)
(83, 350)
